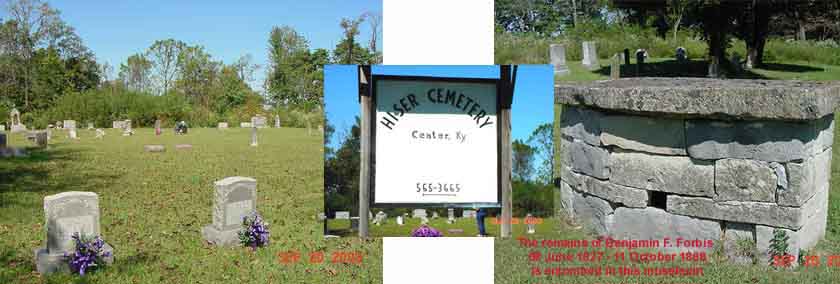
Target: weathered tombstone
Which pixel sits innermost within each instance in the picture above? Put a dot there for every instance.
(615, 66)
(590, 56)
(435, 215)
(681, 54)
(342, 215)
(354, 223)
(253, 136)
(380, 218)
(451, 216)
(276, 121)
(400, 220)
(16, 125)
(417, 213)
(258, 121)
(468, 214)
(69, 124)
(90, 125)
(557, 56)
(100, 133)
(234, 199)
(41, 139)
(245, 125)
(222, 125)
(157, 127)
(641, 54)
(706, 158)
(714, 66)
(529, 221)
(626, 56)
(68, 213)
(127, 131)
(153, 148)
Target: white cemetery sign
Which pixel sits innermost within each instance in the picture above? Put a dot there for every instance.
(436, 141)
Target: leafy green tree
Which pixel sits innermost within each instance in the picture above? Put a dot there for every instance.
(351, 30)
(542, 141)
(341, 173)
(198, 72)
(288, 53)
(523, 160)
(136, 73)
(165, 55)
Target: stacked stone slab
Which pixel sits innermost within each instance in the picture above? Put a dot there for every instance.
(649, 158)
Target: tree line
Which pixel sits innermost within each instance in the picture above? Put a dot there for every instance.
(46, 70)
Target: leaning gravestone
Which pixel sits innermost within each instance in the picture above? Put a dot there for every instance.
(234, 198)
(590, 56)
(557, 56)
(468, 214)
(68, 213)
(342, 215)
(694, 158)
(417, 213)
(258, 121)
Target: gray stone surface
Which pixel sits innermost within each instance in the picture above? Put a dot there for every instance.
(581, 124)
(739, 242)
(154, 148)
(737, 211)
(592, 212)
(557, 56)
(590, 55)
(615, 66)
(702, 97)
(245, 125)
(67, 213)
(567, 198)
(584, 158)
(258, 121)
(744, 180)
(69, 124)
(806, 178)
(815, 221)
(675, 174)
(654, 223)
(342, 215)
(417, 213)
(763, 237)
(772, 141)
(234, 198)
(222, 125)
(628, 196)
(646, 134)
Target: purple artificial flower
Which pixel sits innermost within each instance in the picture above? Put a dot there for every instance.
(254, 231)
(88, 254)
(426, 231)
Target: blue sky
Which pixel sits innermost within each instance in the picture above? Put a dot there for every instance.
(532, 100)
(115, 30)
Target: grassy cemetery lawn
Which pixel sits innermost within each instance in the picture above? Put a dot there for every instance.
(153, 206)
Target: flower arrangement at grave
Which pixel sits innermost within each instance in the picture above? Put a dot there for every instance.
(254, 231)
(88, 254)
(426, 231)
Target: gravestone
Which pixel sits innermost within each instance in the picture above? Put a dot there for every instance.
(90, 125)
(154, 148)
(529, 222)
(354, 223)
(41, 138)
(468, 214)
(626, 56)
(222, 125)
(698, 158)
(183, 146)
(258, 121)
(234, 199)
(245, 125)
(157, 127)
(69, 124)
(735, 61)
(253, 136)
(590, 56)
(2, 128)
(417, 213)
(276, 121)
(455, 231)
(435, 215)
(15, 125)
(72, 133)
(681, 54)
(400, 220)
(100, 133)
(380, 218)
(342, 215)
(641, 54)
(451, 216)
(615, 66)
(127, 131)
(68, 213)
(557, 56)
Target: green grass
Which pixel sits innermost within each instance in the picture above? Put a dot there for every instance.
(153, 206)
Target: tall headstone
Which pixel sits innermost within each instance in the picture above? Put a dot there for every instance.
(127, 128)
(67, 213)
(417, 213)
(41, 138)
(529, 221)
(157, 127)
(615, 66)
(276, 121)
(258, 121)
(557, 56)
(234, 199)
(400, 220)
(254, 136)
(16, 125)
(451, 216)
(590, 56)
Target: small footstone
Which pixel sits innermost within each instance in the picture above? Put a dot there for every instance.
(154, 148)
(183, 146)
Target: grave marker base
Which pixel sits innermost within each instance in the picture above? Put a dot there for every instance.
(46, 262)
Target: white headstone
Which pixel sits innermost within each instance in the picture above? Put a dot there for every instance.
(67, 213)
(15, 124)
(253, 136)
(451, 215)
(276, 121)
(417, 213)
(435, 215)
(342, 215)
(400, 220)
(529, 221)
(245, 124)
(469, 214)
(590, 55)
(234, 199)
(557, 54)
(223, 125)
(69, 124)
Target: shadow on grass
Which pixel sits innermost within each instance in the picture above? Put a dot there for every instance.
(42, 170)
(674, 68)
(781, 67)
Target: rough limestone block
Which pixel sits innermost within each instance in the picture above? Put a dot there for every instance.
(582, 124)
(631, 197)
(674, 174)
(566, 199)
(806, 178)
(739, 242)
(567, 176)
(772, 141)
(586, 159)
(815, 221)
(744, 180)
(763, 237)
(654, 223)
(592, 212)
(736, 211)
(646, 134)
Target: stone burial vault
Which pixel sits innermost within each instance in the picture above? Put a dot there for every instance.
(698, 159)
